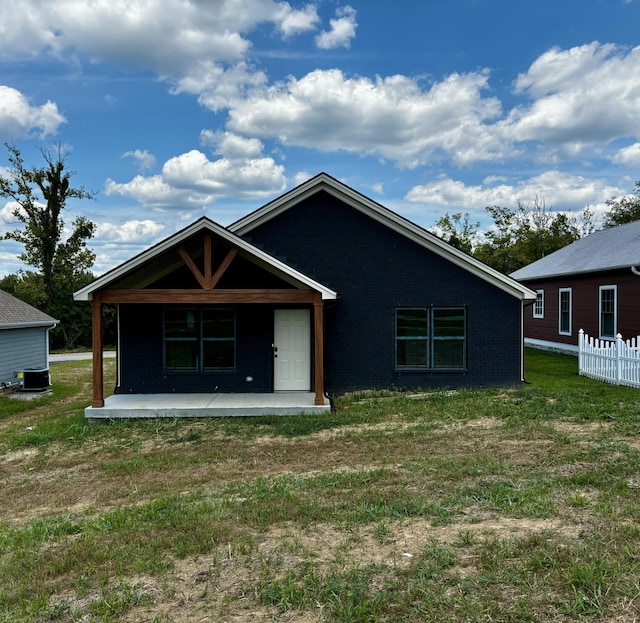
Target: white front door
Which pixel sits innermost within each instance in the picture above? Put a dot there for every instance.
(292, 350)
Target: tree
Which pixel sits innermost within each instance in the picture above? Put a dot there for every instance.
(623, 210)
(61, 263)
(458, 231)
(527, 233)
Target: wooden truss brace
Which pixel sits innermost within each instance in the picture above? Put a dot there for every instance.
(209, 280)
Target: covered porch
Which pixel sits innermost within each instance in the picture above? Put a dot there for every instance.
(206, 405)
(204, 267)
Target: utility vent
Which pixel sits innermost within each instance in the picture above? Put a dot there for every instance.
(35, 379)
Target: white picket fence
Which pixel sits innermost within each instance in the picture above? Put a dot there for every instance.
(615, 361)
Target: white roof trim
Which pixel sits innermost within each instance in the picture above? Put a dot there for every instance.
(86, 293)
(387, 217)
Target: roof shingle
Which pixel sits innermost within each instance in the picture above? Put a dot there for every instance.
(607, 249)
(13, 311)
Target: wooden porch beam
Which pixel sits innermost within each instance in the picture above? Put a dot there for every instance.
(97, 347)
(210, 296)
(318, 331)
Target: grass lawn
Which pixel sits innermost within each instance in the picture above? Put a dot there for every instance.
(494, 505)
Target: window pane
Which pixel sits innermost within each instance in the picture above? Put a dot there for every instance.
(607, 312)
(448, 353)
(448, 323)
(181, 355)
(218, 323)
(538, 308)
(411, 353)
(411, 323)
(180, 323)
(218, 354)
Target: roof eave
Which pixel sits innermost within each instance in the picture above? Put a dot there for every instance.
(387, 217)
(577, 272)
(86, 293)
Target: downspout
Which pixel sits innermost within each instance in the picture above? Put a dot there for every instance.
(524, 304)
(635, 271)
(46, 339)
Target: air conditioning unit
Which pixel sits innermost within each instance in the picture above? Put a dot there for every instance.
(35, 379)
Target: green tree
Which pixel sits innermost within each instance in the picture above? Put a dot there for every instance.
(623, 209)
(62, 263)
(458, 230)
(528, 232)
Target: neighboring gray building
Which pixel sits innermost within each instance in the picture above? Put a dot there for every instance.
(24, 338)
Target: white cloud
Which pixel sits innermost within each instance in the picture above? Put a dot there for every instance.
(292, 22)
(561, 191)
(216, 86)
(628, 156)
(191, 180)
(231, 145)
(19, 118)
(580, 97)
(129, 231)
(7, 220)
(144, 159)
(182, 41)
(343, 29)
(391, 117)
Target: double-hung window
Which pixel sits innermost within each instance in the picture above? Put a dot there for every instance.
(434, 337)
(199, 339)
(538, 306)
(608, 312)
(564, 308)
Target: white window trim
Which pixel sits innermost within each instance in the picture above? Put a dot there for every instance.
(615, 312)
(560, 292)
(535, 303)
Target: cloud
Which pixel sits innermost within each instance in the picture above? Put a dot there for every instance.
(580, 97)
(561, 191)
(292, 22)
(191, 180)
(179, 40)
(231, 145)
(130, 231)
(391, 117)
(628, 156)
(144, 159)
(343, 29)
(19, 118)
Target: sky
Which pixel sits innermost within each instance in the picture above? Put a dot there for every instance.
(169, 110)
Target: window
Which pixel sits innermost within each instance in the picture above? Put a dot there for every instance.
(538, 306)
(199, 339)
(432, 337)
(564, 305)
(608, 312)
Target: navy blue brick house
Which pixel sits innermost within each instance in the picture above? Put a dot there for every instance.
(320, 290)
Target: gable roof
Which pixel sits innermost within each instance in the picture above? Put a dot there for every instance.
(257, 256)
(324, 182)
(16, 314)
(607, 249)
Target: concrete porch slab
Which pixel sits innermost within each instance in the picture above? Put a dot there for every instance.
(206, 405)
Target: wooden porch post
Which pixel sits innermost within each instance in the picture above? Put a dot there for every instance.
(97, 346)
(318, 329)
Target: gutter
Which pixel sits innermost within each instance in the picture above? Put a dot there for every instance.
(30, 325)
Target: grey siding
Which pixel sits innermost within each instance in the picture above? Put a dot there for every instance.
(20, 349)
